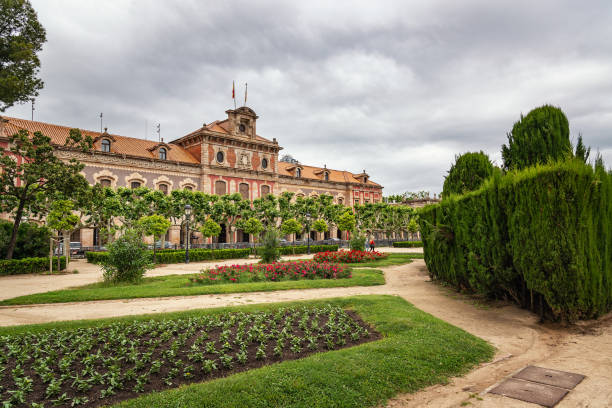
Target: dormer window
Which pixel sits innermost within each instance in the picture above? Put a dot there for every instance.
(298, 172)
(163, 153)
(106, 145)
(326, 176)
(242, 128)
(220, 157)
(264, 164)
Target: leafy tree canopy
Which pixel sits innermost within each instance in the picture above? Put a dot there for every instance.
(31, 175)
(21, 38)
(210, 228)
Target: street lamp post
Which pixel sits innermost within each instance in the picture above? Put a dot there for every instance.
(188, 218)
(308, 218)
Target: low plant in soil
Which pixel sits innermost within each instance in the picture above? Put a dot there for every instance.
(101, 365)
(273, 272)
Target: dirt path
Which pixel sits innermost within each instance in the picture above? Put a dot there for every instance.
(520, 340)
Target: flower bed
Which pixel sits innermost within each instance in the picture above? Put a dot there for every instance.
(114, 362)
(349, 256)
(274, 272)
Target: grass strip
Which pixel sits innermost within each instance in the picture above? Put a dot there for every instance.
(418, 350)
(179, 285)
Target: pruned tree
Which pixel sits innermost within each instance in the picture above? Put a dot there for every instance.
(30, 174)
(155, 225)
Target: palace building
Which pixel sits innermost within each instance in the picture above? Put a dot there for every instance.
(221, 157)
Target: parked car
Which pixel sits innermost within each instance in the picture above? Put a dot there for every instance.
(158, 245)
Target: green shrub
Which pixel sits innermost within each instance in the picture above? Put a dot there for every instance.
(28, 265)
(407, 244)
(32, 240)
(127, 259)
(169, 256)
(301, 249)
(541, 237)
(357, 242)
(269, 251)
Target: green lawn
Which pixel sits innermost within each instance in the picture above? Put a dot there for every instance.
(392, 259)
(418, 350)
(179, 285)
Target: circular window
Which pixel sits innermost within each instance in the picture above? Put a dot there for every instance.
(264, 163)
(220, 157)
(242, 127)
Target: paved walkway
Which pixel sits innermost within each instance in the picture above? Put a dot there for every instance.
(585, 348)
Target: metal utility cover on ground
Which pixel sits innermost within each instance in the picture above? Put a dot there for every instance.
(551, 377)
(528, 391)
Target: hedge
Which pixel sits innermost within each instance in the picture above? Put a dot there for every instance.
(28, 265)
(407, 244)
(178, 256)
(541, 237)
(302, 249)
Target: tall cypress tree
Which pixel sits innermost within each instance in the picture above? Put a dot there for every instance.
(539, 137)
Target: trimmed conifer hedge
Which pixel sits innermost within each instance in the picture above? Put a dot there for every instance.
(541, 236)
(302, 249)
(407, 244)
(178, 256)
(28, 265)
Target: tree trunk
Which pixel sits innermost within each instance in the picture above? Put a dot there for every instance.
(13, 241)
(50, 254)
(67, 247)
(154, 253)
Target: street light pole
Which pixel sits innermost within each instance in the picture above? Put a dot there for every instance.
(308, 218)
(188, 218)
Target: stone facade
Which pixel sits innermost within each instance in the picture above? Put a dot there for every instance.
(219, 158)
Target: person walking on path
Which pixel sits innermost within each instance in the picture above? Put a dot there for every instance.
(372, 245)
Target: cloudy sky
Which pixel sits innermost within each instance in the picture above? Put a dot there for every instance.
(395, 88)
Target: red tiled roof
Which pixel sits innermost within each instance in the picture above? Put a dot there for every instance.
(316, 173)
(122, 144)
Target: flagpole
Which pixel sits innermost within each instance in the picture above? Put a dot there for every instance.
(234, 93)
(246, 88)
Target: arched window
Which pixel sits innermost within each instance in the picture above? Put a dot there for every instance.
(220, 187)
(105, 182)
(106, 145)
(163, 188)
(298, 172)
(135, 184)
(220, 157)
(340, 201)
(244, 190)
(188, 188)
(264, 163)
(326, 176)
(162, 153)
(265, 190)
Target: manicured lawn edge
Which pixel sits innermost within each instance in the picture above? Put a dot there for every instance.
(97, 291)
(418, 350)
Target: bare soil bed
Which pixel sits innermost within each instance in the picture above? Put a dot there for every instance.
(102, 365)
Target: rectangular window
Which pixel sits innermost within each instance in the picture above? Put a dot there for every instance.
(244, 190)
(135, 184)
(356, 201)
(220, 187)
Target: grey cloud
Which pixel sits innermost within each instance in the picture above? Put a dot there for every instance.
(397, 88)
